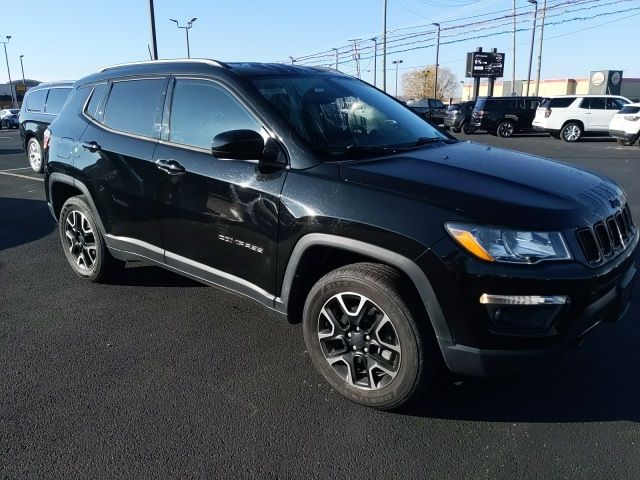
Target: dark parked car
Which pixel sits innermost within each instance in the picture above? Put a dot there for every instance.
(458, 117)
(327, 201)
(430, 109)
(504, 116)
(9, 118)
(40, 107)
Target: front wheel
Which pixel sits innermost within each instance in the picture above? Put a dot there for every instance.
(468, 128)
(364, 339)
(83, 243)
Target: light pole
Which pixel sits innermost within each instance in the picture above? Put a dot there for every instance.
(533, 39)
(384, 47)
(375, 59)
(462, 85)
(544, 14)
(435, 82)
(13, 97)
(154, 42)
(293, 60)
(396, 63)
(186, 27)
(336, 50)
(24, 84)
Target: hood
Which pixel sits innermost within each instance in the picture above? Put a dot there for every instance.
(493, 185)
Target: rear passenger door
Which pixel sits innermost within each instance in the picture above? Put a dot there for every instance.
(527, 112)
(597, 117)
(116, 160)
(220, 217)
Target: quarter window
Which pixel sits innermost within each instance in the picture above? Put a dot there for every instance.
(96, 95)
(135, 106)
(56, 99)
(35, 100)
(201, 109)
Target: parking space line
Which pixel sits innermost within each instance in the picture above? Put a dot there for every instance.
(15, 169)
(21, 176)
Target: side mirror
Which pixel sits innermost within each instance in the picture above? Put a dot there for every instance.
(238, 145)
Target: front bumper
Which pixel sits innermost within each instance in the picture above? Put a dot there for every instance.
(622, 135)
(481, 343)
(497, 362)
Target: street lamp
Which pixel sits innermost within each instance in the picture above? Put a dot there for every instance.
(435, 82)
(462, 86)
(13, 97)
(336, 50)
(533, 38)
(396, 63)
(186, 27)
(544, 14)
(293, 60)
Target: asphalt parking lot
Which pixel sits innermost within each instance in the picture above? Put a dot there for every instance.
(157, 376)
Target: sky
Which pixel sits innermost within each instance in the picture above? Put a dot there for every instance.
(67, 39)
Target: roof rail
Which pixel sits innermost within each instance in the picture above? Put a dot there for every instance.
(207, 61)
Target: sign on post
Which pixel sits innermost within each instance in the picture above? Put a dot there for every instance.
(485, 64)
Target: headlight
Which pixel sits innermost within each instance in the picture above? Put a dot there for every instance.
(509, 246)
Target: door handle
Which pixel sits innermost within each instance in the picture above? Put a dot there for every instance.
(91, 146)
(171, 167)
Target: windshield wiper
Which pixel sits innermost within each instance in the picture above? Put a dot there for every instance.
(427, 140)
(372, 149)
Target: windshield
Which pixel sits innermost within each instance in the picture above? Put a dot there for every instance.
(337, 115)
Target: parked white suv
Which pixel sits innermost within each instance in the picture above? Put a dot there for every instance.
(625, 125)
(573, 116)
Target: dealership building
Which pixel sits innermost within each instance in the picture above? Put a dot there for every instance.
(629, 87)
(18, 90)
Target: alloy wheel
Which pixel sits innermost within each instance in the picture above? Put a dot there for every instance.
(35, 156)
(80, 240)
(359, 341)
(505, 129)
(571, 133)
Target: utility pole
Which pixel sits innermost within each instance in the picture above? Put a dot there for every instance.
(13, 93)
(513, 72)
(187, 27)
(435, 82)
(336, 50)
(544, 14)
(24, 84)
(152, 21)
(533, 39)
(356, 56)
(384, 47)
(375, 60)
(396, 63)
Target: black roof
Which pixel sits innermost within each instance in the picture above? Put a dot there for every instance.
(196, 66)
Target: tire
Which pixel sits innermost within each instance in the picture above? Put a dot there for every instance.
(0, 124)
(383, 374)
(455, 130)
(34, 154)
(506, 129)
(83, 243)
(468, 129)
(625, 143)
(571, 132)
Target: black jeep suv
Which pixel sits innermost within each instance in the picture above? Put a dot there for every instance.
(504, 116)
(328, 201)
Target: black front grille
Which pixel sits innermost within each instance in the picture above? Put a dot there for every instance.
(607, 237)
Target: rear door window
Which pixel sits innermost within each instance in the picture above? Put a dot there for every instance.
(593, 103)
(35, 100)
(56, 99)
(135, 106)
(436, 104)
(557, 102)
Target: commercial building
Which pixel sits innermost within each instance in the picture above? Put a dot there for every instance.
(18, 90)
(629, 88)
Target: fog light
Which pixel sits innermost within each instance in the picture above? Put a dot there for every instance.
(523, 314)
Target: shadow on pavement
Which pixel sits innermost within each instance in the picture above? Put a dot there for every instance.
(10, 151)
(141, 275)
(23, 221)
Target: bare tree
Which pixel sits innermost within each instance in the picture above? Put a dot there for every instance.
(419, 83)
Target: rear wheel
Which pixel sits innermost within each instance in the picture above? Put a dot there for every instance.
(571, 132)
(626, 143)
(363, 338)
(83, 243)
(506, 129)
(35, 155)
(468, 129)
